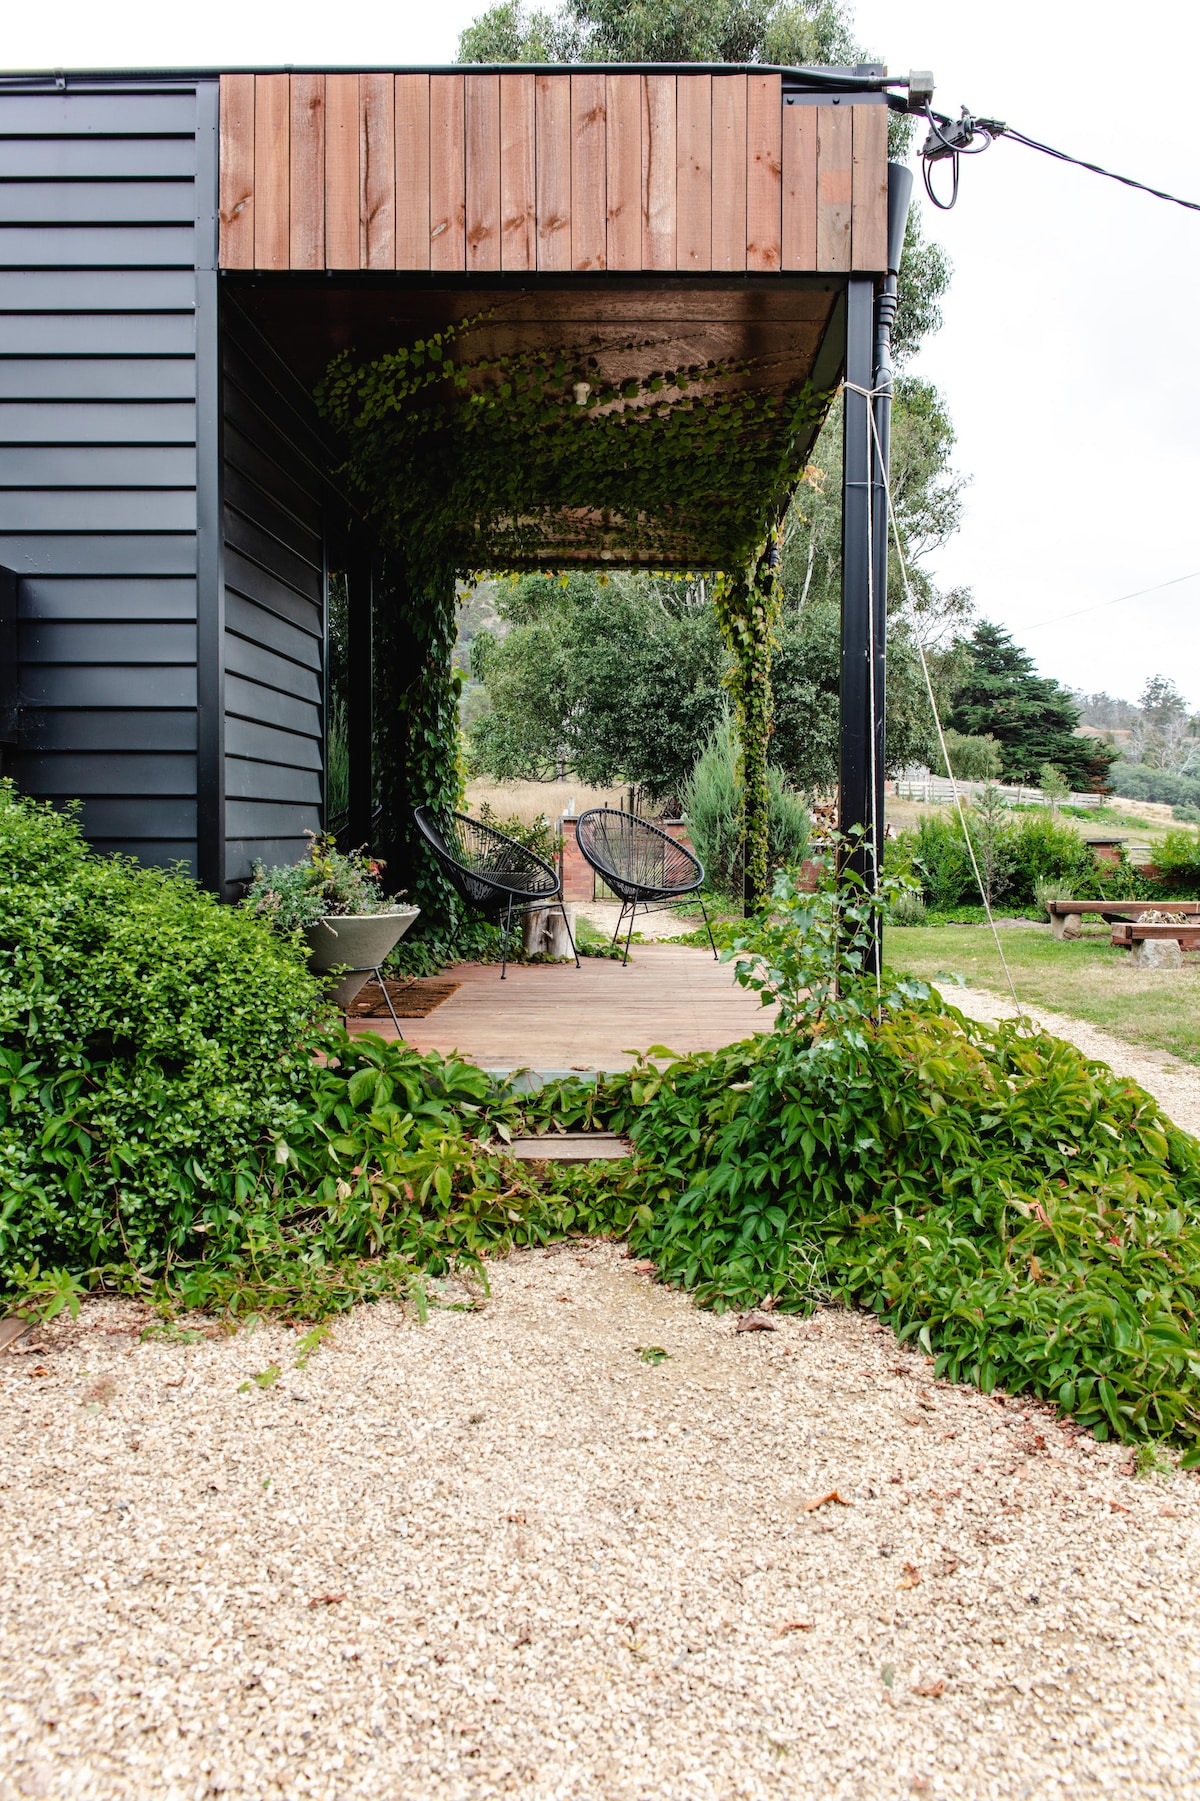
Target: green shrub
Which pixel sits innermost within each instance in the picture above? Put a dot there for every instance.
(152, 1048)
(712, 801)
(1021, 851)
(978, 759)
(1177, 860)
(1139, 781)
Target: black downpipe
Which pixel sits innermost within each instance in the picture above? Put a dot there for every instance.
(900, 184)
(854, 761)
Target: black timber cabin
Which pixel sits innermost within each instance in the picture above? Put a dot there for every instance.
(181, 254)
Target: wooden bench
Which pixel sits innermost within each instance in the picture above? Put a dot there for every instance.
(1130, 932)
(1067, 916)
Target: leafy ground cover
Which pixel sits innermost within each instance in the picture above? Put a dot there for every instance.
(1030, 1219)
(1086, 979)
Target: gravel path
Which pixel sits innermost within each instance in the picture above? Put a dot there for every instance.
(499, 1553)
(1173, 1083)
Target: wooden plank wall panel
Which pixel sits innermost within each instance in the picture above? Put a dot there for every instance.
(447, 173)
(658, 172)
(835, 128)
(623, 107)
(800, 187)
(552, 129)
(377, 170)
(272, 171)
(343, 249)
(693, 177)
(237, 172)
(306, 152)
(729, 172)
(518, 195)
(764, 171)
(482, 100)
(555, 172)
(589, 175)
(868, 189)
(412, 171)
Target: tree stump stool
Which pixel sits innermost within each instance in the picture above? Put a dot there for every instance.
(544, 931)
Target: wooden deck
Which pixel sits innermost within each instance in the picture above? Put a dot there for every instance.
(555, 1017)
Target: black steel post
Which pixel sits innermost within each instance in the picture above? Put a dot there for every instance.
(855, 800)
(900, 182)
(360, 691)
(210, 532)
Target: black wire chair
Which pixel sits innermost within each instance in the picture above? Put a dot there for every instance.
(644, 866)
(493, 874)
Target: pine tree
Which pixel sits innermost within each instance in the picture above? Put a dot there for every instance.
(1032, 716)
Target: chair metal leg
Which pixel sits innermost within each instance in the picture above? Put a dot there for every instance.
(629, 940)
(507, 932)
(570, 934)
(620, 923)
(708, 929)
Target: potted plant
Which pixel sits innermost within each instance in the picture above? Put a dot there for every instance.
(336, 899)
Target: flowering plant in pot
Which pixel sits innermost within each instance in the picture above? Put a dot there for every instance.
(336, 900)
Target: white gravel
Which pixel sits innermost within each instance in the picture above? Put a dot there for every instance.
(1173, 1083)
(500, 1554)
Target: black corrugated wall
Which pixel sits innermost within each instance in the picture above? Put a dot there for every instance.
(161, 479)
(274, 625)
(107, 292)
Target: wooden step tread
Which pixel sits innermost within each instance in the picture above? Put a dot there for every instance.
(567, 1147)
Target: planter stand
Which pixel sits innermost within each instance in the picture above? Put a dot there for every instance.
(355, 946)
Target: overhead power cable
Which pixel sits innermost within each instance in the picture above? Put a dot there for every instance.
(1097, 605)
(949, 139)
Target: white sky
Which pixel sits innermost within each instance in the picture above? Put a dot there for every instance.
(1069, 355)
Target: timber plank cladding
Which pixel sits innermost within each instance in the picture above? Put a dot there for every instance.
(579, 173)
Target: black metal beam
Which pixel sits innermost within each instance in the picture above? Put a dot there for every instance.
(360, 689)
(856, 786)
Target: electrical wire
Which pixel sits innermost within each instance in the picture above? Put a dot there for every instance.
(1097, 605)
(1126, 181)
(969, 136)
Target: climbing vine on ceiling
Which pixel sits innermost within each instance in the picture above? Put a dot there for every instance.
(576, 458)
(572, 458)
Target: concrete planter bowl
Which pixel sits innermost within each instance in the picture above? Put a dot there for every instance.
(357, 942)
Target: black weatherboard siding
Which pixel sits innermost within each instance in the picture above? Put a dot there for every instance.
(274, 566)
(107, 295)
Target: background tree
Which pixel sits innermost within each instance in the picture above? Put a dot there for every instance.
(1032, 716)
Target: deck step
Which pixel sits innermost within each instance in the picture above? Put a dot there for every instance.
(568, 1147)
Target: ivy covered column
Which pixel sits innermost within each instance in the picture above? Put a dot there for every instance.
(748, 607)
(415, 722)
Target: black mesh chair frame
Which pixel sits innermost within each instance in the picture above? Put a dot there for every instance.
(643, 865)
(493, 874)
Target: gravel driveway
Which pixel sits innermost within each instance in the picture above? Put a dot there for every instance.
(501, 1554)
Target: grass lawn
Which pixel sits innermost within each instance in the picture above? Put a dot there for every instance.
(1087, 979)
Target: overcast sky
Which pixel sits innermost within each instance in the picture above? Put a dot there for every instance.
(1069, 353)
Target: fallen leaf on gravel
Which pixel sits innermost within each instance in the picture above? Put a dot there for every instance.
(1117, 1507)
(754, 1322)
(644, 1267)
(933, 1689)
(824, 1500)
(326, 1600)
(911, 1577)
(795, 1626)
